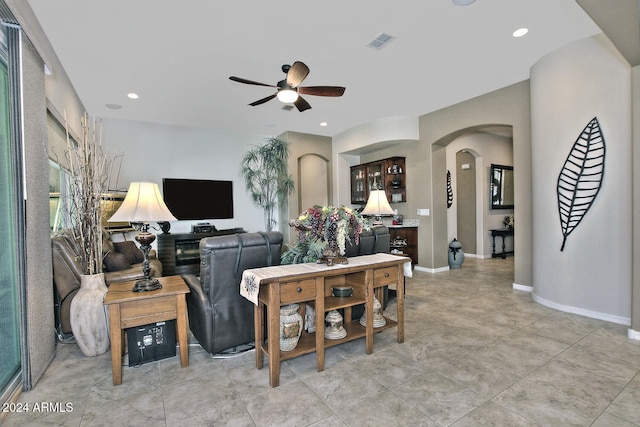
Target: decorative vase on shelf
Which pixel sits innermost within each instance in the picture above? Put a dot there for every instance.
(88, 316)
(334, 326)
(378, 318)
(290, 327)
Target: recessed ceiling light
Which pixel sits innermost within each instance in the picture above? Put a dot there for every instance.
(463, 2)
(132, 95)
(323, 123)
(113, 106)
(520, 32)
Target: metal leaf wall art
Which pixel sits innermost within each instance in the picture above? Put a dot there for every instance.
(581, 178)
(449, 191)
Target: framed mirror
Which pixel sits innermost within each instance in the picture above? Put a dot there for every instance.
(501, 187)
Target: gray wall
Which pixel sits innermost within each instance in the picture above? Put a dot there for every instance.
(569, 87)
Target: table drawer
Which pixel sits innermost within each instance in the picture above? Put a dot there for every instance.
(385, 276)
(303, 290)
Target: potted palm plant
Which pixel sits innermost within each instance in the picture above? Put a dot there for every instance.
(89, 173)
(264, 168)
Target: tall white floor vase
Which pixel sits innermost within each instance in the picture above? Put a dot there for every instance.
(88, 316)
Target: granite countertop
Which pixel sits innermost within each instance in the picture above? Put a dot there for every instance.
(405, 223)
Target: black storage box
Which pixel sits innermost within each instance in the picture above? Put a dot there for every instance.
(154, 341)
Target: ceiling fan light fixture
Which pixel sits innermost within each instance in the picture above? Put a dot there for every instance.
(520, 32)
(287, 96)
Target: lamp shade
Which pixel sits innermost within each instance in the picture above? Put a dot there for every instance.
(143, 203)
(377, 204)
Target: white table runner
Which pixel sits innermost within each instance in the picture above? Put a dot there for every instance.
(251, 278)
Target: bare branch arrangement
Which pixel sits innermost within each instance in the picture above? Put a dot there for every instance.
(90, 171)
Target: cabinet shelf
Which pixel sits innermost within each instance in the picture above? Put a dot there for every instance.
(409, 235)
(307, 342)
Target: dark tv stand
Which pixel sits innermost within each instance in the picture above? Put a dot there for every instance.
(180, 253)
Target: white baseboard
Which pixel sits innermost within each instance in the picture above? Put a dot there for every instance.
(633, 335)
(525, 288)
(581, 311)
(431, 270)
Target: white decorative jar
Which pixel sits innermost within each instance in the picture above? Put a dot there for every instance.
(378, 318)
(334, 329)
(290, 327)
(88, 316)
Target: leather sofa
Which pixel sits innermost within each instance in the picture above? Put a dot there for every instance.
(219, 317)
(67, 271)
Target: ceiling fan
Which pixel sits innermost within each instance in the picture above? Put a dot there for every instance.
(289, 90)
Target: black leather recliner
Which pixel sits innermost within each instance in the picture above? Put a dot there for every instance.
(219, 317)
(376, 240)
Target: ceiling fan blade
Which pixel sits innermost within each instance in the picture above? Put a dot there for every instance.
(297, 73)
(301, 104)
(249, 82)
(263, 100)
(322, 90)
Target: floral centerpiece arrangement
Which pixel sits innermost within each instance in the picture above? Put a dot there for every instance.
(322, 234)
(508, 221)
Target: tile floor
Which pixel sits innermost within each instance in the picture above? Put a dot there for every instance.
(476, 352)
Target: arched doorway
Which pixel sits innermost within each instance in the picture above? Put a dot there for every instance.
(313, 181)
(469, 155)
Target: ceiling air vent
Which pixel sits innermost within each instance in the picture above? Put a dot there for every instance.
(381, 41)
(287, 107)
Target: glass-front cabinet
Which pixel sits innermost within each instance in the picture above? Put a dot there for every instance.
(386, 174)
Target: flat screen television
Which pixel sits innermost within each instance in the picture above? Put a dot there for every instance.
(196, 199)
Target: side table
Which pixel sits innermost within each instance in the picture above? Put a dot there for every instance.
(128, 309)
(502, 232)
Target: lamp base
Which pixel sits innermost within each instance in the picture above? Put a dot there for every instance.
(144, 285)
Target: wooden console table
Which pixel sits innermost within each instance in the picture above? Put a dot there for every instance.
(128, 309)
(311, 283)
(502, 232)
